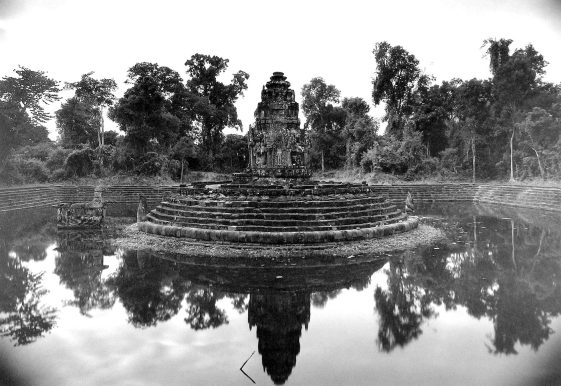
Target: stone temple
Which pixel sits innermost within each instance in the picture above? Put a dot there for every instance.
(277, 145)
(274, 201)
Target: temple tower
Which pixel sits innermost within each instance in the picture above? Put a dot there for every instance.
(278, 147)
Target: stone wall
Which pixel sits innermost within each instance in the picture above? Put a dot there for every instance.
(426, 193)
(32, 196)
(520, 196)
(119, 198)
(125, 197)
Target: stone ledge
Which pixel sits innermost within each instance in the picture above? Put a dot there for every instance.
(546, 198)
(275, 238)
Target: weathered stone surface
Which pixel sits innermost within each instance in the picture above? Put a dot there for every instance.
(279, 237)
(278, 147)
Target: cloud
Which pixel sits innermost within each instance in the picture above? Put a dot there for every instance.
(9, 8)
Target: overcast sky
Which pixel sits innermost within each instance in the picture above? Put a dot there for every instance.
(304, 39)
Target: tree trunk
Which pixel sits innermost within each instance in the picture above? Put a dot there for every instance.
(181, 178)
(322, 163)
(348, 157)
(511, 157)
(542, 170)
(513, 249)
(473, 160)
(101, 136)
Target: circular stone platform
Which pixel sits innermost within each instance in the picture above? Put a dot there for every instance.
(277, 213)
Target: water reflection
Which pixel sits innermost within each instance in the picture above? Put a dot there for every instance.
(279, 318)
(277, 298)
(23, 316)
(502, 266)
(501, 269)
(79, 266)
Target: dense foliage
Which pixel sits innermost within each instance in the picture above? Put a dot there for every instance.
(506, 126)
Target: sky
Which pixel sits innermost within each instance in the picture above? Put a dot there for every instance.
(302, 38)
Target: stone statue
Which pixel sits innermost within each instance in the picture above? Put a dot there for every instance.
(142, 209)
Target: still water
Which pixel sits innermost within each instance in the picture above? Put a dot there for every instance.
(482, 309)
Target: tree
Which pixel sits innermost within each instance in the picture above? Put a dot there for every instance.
(152, 112)
(22, 111)
(214, 107)
(516, 79)
(359, 131)
(398, 78)
(28, 93)
(234, 153)
(541, 130)
(432, 114)
(321, 115)
(472, 116)
(77, 123)
(184, 151)
(97, 94)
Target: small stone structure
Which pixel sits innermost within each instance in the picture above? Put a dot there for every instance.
(82, 215)
(274, 201)
(278, 147)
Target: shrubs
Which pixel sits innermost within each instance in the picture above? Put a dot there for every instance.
(33, 170)
(57, 158)
(151, 164)
(80, 162)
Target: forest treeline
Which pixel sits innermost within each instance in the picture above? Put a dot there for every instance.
(505, 127)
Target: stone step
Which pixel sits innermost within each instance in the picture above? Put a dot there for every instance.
(271, 209)
(311, 203)
(286, 214)
(269, 228)
(180, 220)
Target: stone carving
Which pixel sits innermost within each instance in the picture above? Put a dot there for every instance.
(277, 144)
(142, 209)
(82, 214)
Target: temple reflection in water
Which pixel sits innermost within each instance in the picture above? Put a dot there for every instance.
(279, 318)
(503, 267)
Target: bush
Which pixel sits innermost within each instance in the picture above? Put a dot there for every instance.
(173, 168)
(80, 162)
(41, 151)
(57, 158)
(369, 161)
(9, 174)
(59, 175)
(151, 164)
(33, 170)
(106, 154)
(122, 158)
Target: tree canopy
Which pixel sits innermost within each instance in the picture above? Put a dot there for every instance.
(214, 107)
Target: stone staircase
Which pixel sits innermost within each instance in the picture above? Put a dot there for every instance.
(275, 214)
(396, 194)
(25, 197)
(542, 198)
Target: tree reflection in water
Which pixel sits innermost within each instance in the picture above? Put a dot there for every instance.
(79, 266)
(507, 272)
(22, 316)
(152, 290)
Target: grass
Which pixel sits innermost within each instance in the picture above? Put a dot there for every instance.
(133, 179)
(357, 176)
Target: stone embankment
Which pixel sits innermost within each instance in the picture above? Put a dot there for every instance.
(520, 196)
(277, 214)
(544, 198)
(25, 197)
